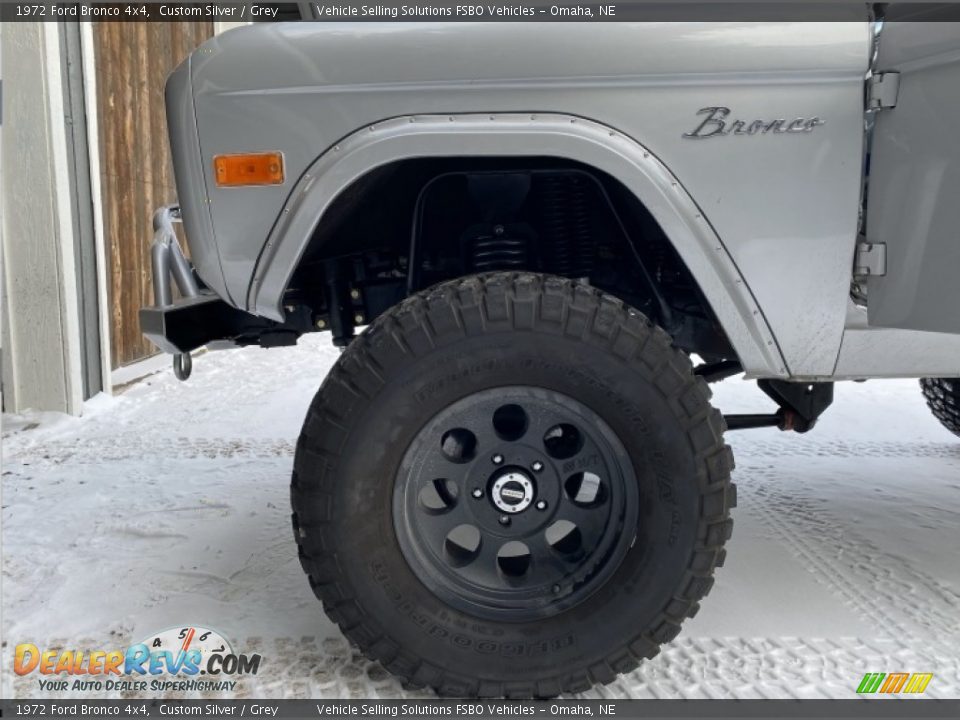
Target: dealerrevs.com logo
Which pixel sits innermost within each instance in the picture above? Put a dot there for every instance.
(183, 659)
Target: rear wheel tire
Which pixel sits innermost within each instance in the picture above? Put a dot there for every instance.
(571, 440)
(943, 399)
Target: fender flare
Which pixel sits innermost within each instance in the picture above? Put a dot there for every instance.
(511, 134)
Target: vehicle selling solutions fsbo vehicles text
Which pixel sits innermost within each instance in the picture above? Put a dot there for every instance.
(383, 11)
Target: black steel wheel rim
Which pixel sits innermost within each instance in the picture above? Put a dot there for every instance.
(515, 503)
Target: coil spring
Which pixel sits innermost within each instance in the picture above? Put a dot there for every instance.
(498, 252)
(565, 204)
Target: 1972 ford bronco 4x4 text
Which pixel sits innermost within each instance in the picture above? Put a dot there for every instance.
(513, 482)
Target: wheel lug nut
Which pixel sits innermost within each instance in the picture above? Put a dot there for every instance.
(537, 466)
(541, 505)
(504, 520)
(497, 459)
(477, 493)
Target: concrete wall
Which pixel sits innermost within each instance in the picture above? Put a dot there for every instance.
(4, 328)
(41, 349)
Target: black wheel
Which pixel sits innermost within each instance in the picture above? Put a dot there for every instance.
(515, 503)
(943, 399)
(511, 484)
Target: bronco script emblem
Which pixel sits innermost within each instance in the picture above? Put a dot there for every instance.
(718, 123)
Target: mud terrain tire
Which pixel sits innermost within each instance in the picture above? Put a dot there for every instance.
(561, 345)
(943, 399)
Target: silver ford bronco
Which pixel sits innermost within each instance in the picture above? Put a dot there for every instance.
(513, 482)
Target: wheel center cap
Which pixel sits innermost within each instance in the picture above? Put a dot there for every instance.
(512, 492)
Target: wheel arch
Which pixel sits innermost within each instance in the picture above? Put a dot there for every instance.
(565, 137)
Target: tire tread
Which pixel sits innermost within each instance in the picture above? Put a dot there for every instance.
(943, 399)
(520, 302)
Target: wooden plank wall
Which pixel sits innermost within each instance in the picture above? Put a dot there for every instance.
(132, 63)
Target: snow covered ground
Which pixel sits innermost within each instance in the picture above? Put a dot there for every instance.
(168, 505)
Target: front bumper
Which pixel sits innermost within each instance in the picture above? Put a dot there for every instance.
(190, 323)
(199, 317)
(168, 262)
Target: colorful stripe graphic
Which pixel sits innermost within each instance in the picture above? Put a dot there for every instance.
(918, 682)
(894, 683)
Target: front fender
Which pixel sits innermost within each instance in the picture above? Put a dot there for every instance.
(544, 135)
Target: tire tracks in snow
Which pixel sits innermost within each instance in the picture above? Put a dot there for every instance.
(127, 446)
(884, 588)
(788, 667)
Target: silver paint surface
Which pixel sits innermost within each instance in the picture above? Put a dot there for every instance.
(782, 205)
(914, 188)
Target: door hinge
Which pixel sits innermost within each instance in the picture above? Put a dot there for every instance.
(882, 90)
(871, 259)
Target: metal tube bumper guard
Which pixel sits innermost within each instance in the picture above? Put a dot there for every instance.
(198, 317)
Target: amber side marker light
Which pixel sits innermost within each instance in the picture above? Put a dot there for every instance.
(248, 169)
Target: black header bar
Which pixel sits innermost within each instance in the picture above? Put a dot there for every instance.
(466, 11)
(882, 709)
